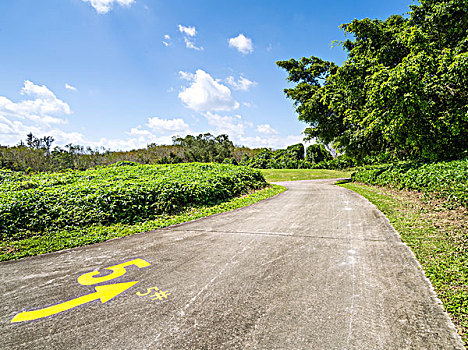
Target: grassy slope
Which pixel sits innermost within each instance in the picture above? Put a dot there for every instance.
(437, 235)
(10, 250)
(272, 175)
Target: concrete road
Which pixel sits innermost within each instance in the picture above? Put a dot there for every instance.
(317, 267)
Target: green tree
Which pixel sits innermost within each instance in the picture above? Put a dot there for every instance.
(317, 153)
(402, 90)
(295, 152)
(205, 147)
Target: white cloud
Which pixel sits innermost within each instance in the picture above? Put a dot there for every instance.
(137, 138)
(70, 87)
(43, 105)
(140, 137)
(233, 126)
(206, 94)
(31, 89)
(166, 42)
(190, 31)
(242, 44)
(266, 129)
(104, 6)
(138, 131)
(249, 105)
(38, 113)
(41, 112)
(186, 76)
(133, 141)
(274, 142)
(163, 126)
(12, 131)
(243, 83)
(191, 45)
(238, 130)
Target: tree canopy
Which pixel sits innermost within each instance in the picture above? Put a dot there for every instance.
(205, 147)
(401, 93)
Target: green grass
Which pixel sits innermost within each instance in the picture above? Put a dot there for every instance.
(437, 235)
(274, 175)
(63, 239)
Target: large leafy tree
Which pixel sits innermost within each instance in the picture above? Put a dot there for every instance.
(205, 147)
(403, 90)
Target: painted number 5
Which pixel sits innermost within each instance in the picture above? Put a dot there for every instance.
(117, 270)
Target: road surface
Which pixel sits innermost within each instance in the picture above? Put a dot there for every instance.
(317, 267)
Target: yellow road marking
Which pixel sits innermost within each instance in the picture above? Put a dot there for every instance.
(89, 278)
(158, 294)
(105, 293)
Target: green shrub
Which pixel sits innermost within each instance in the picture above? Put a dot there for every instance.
(340, 162)
(232, 161)
(120, 193)
(447, 180)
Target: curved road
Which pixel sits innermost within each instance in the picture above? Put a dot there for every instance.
(317, 267)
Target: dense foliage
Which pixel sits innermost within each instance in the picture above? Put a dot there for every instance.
(316, 156)
(37, 154)
(122, 193)
(317, 153)
(401, 93)
(205, 147)
(447, 180)
(76, 237)
(290, 158)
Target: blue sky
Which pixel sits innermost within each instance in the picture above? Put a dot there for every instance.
(125, 73)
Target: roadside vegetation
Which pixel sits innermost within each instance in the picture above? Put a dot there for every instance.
(396, 109)
(36, 154)
(48, 211)
(438, 236)
(444, 180)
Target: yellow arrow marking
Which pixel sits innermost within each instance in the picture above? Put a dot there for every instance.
(105, 293)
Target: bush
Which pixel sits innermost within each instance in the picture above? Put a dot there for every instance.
(340, 162)
(231, 161)
(120, 193)
(447, 180)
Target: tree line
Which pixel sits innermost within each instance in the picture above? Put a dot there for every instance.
(38, 154)
(315, 156)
